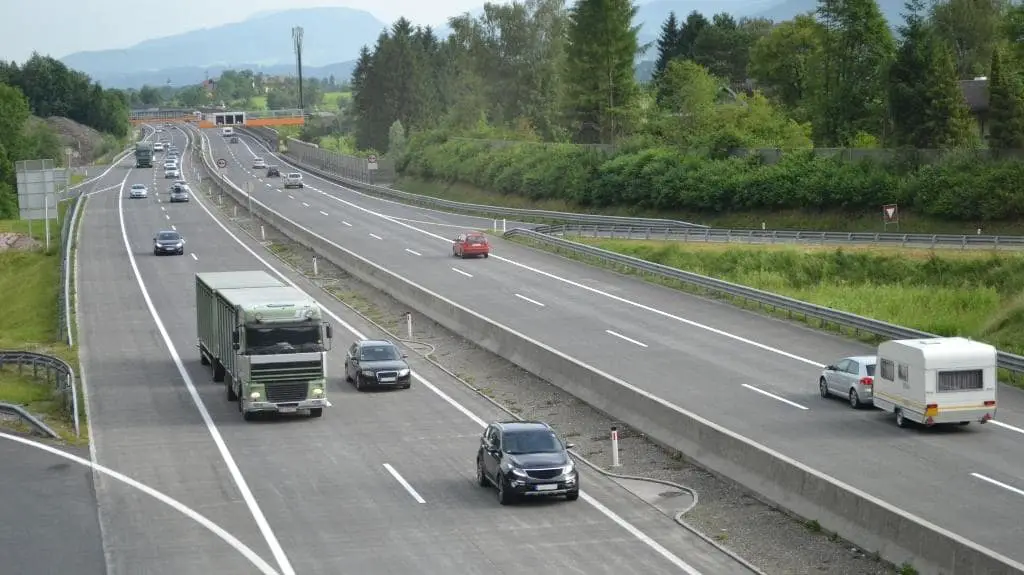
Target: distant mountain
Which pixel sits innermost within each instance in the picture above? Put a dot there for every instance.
(330, 35)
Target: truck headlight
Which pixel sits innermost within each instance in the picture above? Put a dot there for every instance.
(317, 391)
(255, 395)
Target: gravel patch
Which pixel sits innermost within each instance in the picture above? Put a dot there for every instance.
(770, 539)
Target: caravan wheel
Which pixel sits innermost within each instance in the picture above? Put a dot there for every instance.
(900, 420)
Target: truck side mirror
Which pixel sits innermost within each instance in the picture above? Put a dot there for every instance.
(234, 337)
(235, 346)
(329, 330)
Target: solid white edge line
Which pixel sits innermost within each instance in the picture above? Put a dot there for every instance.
(775, 397)
(225, 453)
(458, 271)
(413, 252)
(614, 517)
(1009, 488)
(625, 338)
(1006, 426)
(408, 487)
(178, 506)
(533, 301)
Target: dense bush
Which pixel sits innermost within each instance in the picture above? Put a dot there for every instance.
(960, 187)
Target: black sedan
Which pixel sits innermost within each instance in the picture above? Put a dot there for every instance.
(273, 172)
(376, 363)
(168, 242)
(526, 459)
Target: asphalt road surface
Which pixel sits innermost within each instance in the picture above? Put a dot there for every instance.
(48, 513)
(754, 375)
(321, 489)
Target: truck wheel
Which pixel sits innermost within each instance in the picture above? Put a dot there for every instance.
(218, 371)
(316, 412)
(203, 359)
(232, 396)
(249, 415)
(900, 420)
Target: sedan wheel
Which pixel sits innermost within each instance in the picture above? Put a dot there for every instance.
(823, 388)
(481, 477)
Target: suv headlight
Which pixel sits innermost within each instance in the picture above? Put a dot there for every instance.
(518, 472)
(568, 468)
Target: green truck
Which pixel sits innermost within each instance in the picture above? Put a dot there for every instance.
(265, 340)
(144, 155)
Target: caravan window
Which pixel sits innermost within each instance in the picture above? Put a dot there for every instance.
(970, 380)
(887, 370)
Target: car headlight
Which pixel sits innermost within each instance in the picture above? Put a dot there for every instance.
(403, 372)
(179, 244)
(367, 373)
(568, 468)
(518, 472)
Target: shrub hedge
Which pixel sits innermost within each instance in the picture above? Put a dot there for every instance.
(962, 186)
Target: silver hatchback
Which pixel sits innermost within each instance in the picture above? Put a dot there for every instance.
(852, 378)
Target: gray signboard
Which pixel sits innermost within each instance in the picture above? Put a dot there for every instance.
(38, 184)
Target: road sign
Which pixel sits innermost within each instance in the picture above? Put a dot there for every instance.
(371, 162)
(891, 214)
(222, 163)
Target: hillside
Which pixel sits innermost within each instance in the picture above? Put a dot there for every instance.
(331, 35)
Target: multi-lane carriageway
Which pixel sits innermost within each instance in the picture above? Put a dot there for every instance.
(754, 375)
(383, 484)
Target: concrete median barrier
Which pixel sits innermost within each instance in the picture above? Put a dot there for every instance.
(856, 516)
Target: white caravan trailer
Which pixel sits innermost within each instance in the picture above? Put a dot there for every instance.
(937, 380)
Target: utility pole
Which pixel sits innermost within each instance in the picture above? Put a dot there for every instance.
(297, 42)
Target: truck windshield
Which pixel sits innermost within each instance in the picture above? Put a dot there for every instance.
(270, 339)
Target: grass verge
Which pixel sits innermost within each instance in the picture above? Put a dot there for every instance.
(777, 220)
(971, 293)
(30, 282)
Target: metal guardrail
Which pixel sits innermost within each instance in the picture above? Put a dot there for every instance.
(714, 235)
(57, 372)
(324, 170)
(1008, 361)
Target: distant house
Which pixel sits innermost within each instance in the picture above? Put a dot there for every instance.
(976, 95)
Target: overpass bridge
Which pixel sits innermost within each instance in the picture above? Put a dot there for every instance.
(256, 119)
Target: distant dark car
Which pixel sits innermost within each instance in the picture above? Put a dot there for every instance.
(273, 172)
(526, 459)
(168, 242)
(180, 194)
(470, 244)
(234, 139)
(376, 363)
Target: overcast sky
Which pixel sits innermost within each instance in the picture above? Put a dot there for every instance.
(61, 27)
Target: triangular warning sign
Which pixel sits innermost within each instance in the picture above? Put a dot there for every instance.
(890, 211)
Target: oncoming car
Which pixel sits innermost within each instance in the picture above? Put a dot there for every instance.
(470, 244)
(179, 193)
(526, 459)
(138, 191)
(376, 363)
(168, 242)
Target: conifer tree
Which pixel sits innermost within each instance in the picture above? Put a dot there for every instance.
(668, 45)
(1005, 109)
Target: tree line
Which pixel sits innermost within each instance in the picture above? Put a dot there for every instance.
(237, 89)
(540, 72)
(40, 88)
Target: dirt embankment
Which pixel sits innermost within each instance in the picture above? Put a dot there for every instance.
(86, 143)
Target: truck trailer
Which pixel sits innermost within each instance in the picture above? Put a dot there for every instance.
(266, 341)
(938, 380)
(144, 155)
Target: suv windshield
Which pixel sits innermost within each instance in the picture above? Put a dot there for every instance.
(533, 441)
(379, 353)
(168, 237)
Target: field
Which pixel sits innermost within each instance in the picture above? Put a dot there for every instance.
(332, 100)
(30, 282)
(776, 220)
(973, 293)
(257, 103)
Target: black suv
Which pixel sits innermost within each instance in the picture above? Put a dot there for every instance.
(273, 172)
(526, 458)
(376, 363)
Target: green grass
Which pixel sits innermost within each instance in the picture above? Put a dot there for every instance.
(257, 103)
(777, 220)
(76, 179)
(970, 293)
(37, 229)
(332, 100)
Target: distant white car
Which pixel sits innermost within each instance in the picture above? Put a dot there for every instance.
(293, 180)
(158, 147)
(172, 172)
(259, 163)
(138, 191)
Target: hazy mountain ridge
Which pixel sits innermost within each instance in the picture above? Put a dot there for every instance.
(333, 37)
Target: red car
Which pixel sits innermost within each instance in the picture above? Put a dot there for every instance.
(471, 244)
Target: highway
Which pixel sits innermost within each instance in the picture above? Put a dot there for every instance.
(48, 516)
(756, 376)
(306, 495)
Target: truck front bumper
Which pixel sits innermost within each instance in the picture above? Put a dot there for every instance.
(285, 407)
